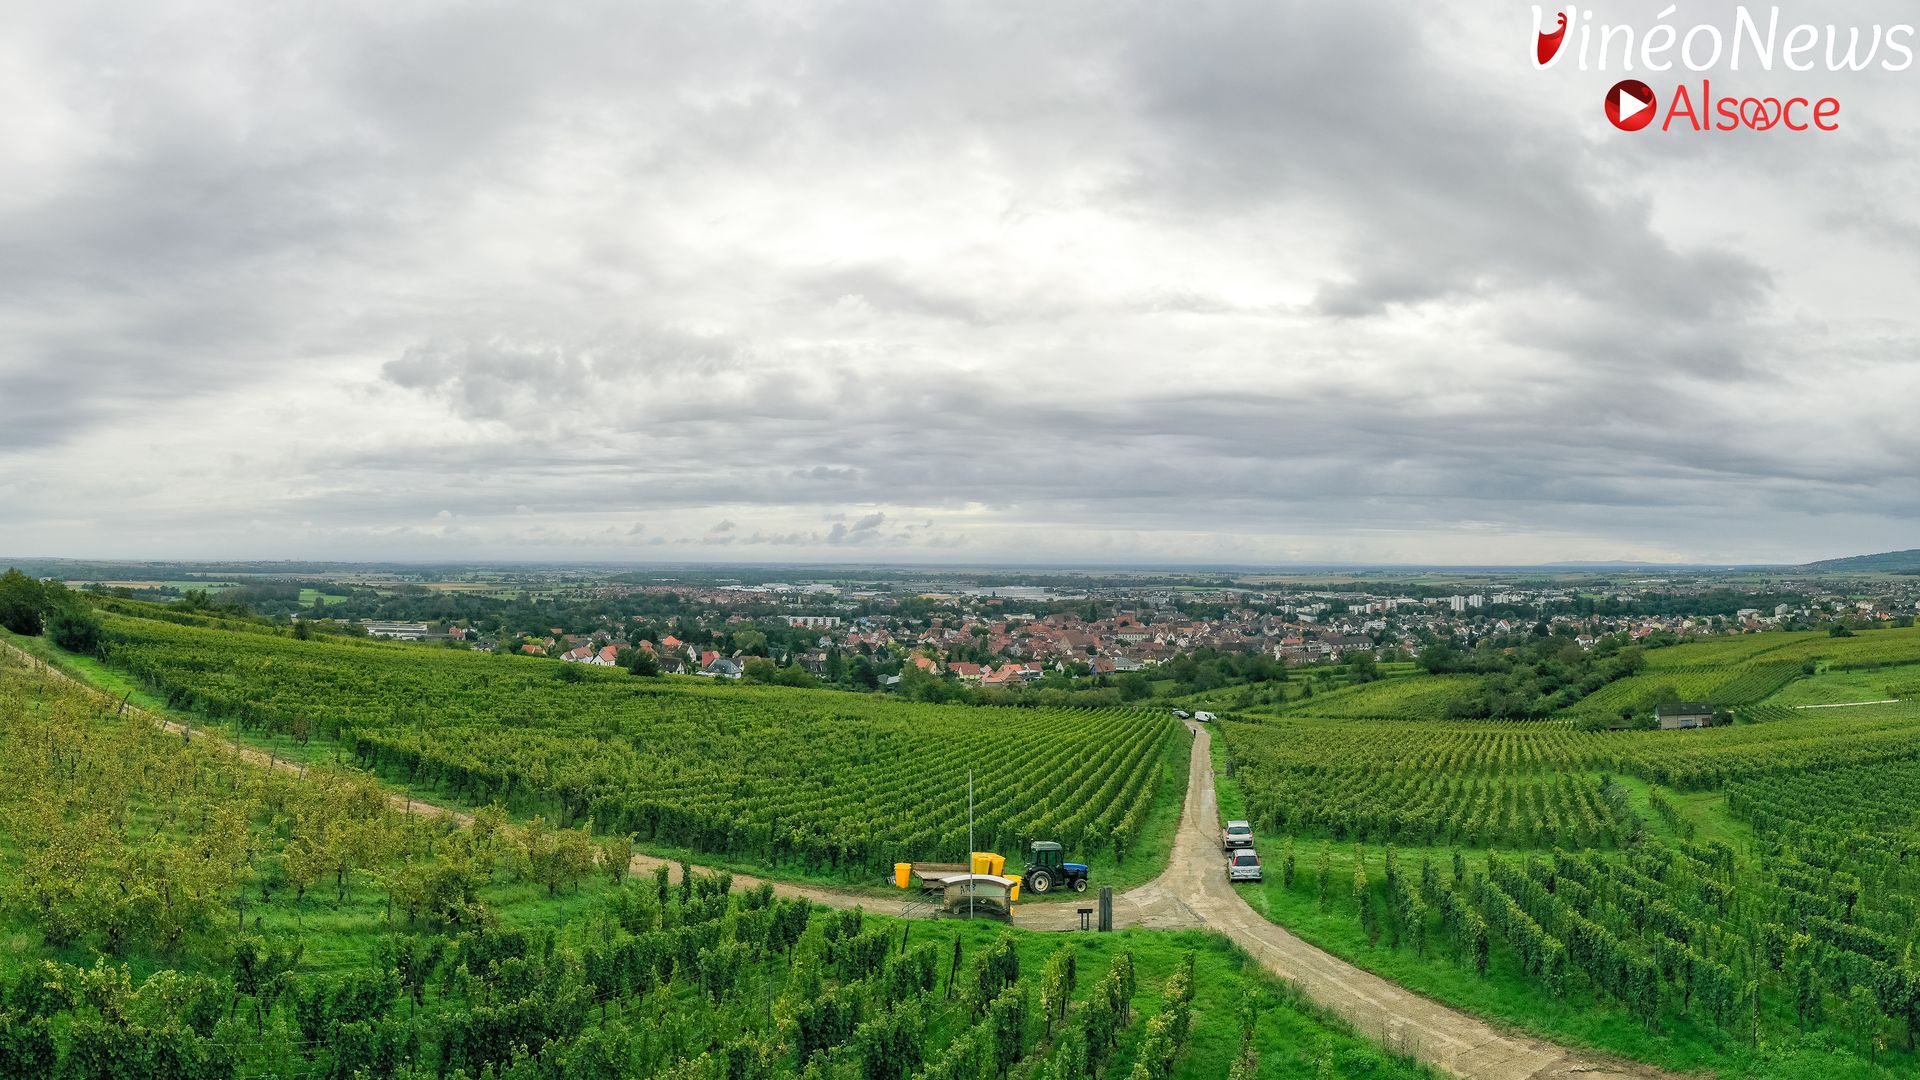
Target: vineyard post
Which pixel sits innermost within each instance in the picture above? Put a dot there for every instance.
(971, 884)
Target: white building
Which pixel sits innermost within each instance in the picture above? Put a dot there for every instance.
(399, 631)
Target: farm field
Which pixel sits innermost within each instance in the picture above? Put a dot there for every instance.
(170, 912)
(1901, 682)
(1742, 684)
(839, 786)
(1871, 646)
(1408, 697)
(309, 595)
(208, 586)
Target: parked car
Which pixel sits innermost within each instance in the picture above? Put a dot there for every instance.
(1203, 717)
(1181, 714)
(1243, 865)
(1238, 834)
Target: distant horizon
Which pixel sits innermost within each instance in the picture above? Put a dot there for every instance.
(911, 565)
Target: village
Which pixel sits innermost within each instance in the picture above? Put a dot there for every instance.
(1004, 637)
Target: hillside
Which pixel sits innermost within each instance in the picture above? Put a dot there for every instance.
(824, 784)
(1889, 562)
(170, 911)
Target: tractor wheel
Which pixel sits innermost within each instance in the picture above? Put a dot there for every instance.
(1080, 884)
(1040, 882)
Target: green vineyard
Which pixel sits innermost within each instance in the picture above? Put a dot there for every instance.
(1743, 894)
(838, 783)
(1729, 685)
(1739, 888)
(241, 923)
(1404, 698)
(1892, 645)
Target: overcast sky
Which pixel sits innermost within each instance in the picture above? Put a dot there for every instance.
(1212, 282)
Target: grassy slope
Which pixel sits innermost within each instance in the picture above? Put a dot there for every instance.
(1833, 687)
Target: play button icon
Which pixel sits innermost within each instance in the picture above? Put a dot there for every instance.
(1631, 105)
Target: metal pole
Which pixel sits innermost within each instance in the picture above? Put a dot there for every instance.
(971, 884)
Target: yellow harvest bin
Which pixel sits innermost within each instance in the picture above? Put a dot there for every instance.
(902, 873)
(1013, 892)
(986, 862)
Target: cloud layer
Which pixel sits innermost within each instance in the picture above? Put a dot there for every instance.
(1246, 282)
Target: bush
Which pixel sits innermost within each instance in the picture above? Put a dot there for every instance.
(21, 601)
(74, 629)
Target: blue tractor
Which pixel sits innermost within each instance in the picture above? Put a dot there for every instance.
(1048, 869)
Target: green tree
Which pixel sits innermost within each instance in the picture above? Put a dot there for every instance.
(795, 675)
(1361, 667)
(22, 600)
(74, 628)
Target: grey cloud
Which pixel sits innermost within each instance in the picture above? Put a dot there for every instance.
(892, 292)
(1442, 194)
(1110, 273)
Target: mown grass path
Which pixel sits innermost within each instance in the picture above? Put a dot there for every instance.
(1192, 893)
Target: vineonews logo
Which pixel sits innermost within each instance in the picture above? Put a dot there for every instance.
(1744, 42)
(1549, 44)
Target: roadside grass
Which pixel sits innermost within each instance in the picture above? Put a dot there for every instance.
(87, 669)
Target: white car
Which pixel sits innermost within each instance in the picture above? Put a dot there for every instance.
(1238, 834)
(1181, 714)
(1243, 865)
(1203, 717)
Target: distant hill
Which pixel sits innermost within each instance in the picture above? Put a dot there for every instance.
(1890, 562)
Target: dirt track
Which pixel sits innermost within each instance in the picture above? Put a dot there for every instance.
(1192, 893)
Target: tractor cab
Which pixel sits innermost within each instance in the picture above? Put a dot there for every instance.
(1047, 867)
